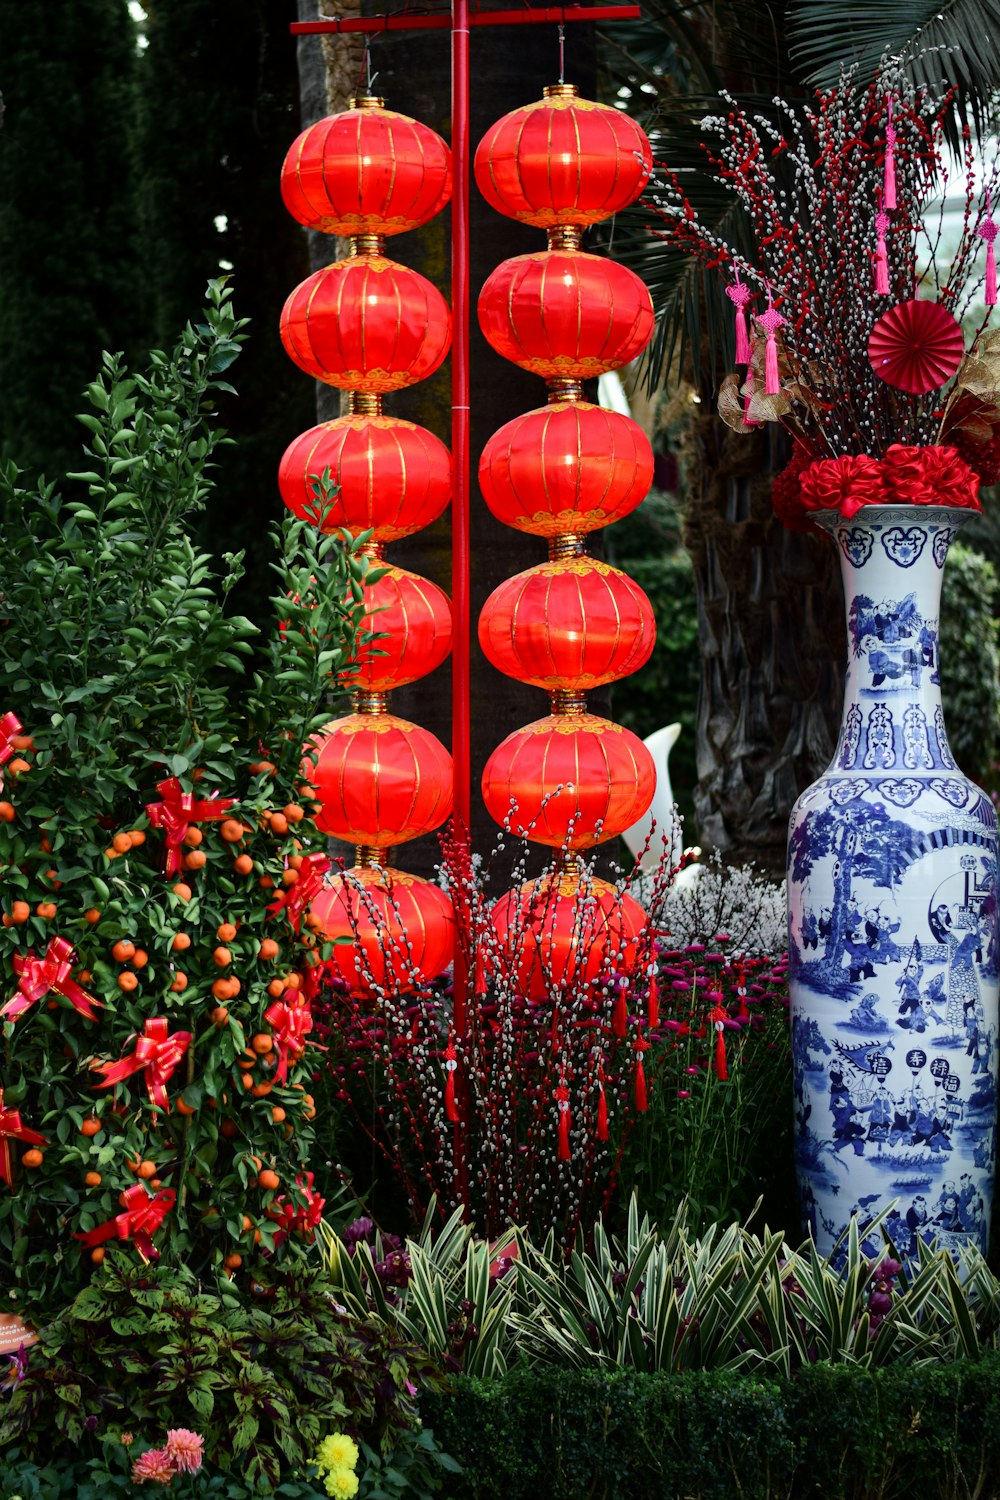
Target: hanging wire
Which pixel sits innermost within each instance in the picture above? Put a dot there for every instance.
(562, 52)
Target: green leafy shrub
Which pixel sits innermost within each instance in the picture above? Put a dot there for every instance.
(835, 1431)
(668, 1301)
(970, 659)
(144, 1349)
(119, 659)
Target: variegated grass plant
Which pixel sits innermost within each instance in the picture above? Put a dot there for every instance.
(729, 1299)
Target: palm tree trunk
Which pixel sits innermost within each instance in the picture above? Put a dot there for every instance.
(772, 645)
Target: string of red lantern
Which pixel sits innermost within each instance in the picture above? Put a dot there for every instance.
(570, 780)
(370, 326)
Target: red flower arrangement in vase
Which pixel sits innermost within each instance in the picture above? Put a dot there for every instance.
(857, 344)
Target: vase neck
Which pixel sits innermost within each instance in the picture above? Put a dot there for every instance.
(892, 560)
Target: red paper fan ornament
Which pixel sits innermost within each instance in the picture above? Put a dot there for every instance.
(916, 346)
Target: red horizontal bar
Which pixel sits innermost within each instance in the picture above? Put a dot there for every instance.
(553, 14)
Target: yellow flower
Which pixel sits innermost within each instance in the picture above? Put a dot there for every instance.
(341, 1483)
(337, 1451)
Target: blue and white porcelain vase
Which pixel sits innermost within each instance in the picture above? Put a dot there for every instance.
(892, 921)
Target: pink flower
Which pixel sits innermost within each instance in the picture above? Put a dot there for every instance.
(186, 1449)
(156, 1465)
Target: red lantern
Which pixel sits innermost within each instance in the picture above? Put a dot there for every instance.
(569, 769)
(394, 477)
(563, 314)
(565, 467)
(572, 623)
(562, 160)
(411, 618)
(558, 931)
(366, 171)
(366, 324)
(380, 779)
(401, 929)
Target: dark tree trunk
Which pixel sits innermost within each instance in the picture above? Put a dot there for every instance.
(772, 645)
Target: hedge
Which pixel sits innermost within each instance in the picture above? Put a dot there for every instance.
(836, 1431)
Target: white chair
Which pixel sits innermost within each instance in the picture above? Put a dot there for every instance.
(661, 809)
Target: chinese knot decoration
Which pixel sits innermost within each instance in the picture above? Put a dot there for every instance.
(369, 326)
(570, 780)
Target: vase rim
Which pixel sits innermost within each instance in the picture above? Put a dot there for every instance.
(939, 515)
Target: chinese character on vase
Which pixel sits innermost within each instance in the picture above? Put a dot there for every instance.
(892, 878)
(370, 326)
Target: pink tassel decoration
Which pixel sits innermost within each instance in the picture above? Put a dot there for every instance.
(771, 321)
(987, 230)
(881, 256)
(739, 295)
(889, 191)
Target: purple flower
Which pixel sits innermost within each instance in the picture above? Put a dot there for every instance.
(360, 1229)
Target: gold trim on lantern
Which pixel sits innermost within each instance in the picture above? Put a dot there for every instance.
(570, 544)
(561, 389)
(364, 404)
(367, 244)
(366, 101)
(564, 236)
(367, 857)
(560, 91)
(568, 702)
(374, 705)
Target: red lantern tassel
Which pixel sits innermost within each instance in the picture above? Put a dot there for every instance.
(653, 1003)
(451, 1068)
(619, 1020)
(721, 1070)
(480, 985)
(640, 1086)
(602, 1114)
(562, 1101)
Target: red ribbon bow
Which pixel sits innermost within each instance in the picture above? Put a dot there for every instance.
(140, 1220)
(37, 976)
(10, 725)
(177, 812)
(12, 1129)
(295, 898)
(291, 1025)
(157, 1053)
(290, 1216)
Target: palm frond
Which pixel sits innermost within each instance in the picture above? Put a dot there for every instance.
(937, 41)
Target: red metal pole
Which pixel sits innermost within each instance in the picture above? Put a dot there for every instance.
(460, 513)
(552, 14)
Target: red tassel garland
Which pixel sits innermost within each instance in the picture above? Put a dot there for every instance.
(619, 1020)
(602, 1114)
(451, 1067)
(480, 985)
(641, 1102)
(562, 1103)
(719, 1016)
(653, 1002)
